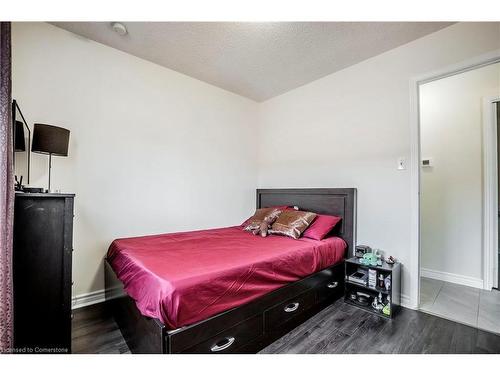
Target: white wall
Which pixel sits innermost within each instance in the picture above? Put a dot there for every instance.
(349, 128)
(151, 150)
(149, 144)
(451, 190)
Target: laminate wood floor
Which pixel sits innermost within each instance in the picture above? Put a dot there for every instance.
(340, 328)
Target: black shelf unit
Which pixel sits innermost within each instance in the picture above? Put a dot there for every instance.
(394, 270)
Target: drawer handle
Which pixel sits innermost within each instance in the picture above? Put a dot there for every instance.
(332, 285)
(291, 307)
(223, 344)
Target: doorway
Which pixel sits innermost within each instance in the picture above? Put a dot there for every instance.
(455, 260)
(498, 191)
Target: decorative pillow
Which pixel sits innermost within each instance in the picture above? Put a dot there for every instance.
(321, 226)
(267, 215)
(292, 223)
(247, 221)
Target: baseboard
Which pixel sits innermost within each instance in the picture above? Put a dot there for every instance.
(452, 278)
(87, 299)
(92, 298)
(406, 302)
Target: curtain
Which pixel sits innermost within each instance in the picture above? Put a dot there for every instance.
(6, 191)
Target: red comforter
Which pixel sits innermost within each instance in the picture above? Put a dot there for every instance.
(183, 278)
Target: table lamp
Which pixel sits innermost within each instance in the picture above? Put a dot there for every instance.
(51, 140)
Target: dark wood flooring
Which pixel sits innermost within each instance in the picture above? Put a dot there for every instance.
(340, 328)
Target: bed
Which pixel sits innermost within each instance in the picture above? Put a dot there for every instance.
(225, 290)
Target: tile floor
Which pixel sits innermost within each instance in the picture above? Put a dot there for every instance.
(471, 306)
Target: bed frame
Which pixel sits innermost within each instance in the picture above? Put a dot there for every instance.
(253, 326)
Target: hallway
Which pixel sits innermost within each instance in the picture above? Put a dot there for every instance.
(471, 306)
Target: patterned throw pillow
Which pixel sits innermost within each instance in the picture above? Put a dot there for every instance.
(292, 223)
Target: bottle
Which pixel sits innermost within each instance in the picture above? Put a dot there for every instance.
(388, 283)
(378, 302)
(381, 281)
(387, 308)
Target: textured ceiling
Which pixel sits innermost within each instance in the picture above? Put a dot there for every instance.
(256, 60)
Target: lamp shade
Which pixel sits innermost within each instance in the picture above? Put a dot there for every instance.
(49, 139)
(20, 143)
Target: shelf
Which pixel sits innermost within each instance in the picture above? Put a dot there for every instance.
(368, 308)
(377, 290)
(392, 270)
(384, 267)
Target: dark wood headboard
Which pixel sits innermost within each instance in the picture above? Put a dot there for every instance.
(337, 202)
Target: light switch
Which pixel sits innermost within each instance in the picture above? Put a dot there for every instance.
(401, 164)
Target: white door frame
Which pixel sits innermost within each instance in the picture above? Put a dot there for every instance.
(483, 60)
(490, 193)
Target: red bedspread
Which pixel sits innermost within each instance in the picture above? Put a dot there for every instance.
(183, 278)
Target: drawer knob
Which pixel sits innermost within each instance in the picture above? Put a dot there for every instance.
(223, 344)
(332, 285)
(291, 307)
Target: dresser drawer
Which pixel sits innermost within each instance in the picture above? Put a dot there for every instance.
(284, 313)
(231, 339)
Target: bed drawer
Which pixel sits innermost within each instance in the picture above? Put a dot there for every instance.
(284, 313)
(232, 338)
(331, 285)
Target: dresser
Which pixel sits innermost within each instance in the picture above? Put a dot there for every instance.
(42, 255)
